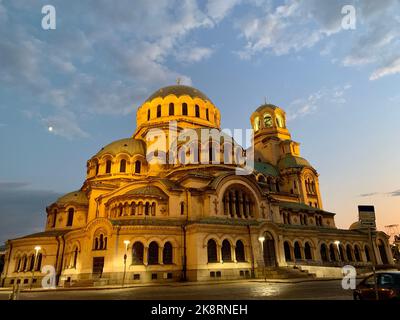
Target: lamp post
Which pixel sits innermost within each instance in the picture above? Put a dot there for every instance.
(126, 242)
(262, 239)
(37, 249)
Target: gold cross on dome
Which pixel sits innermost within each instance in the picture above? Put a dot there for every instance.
(265, 100)
(178, 80)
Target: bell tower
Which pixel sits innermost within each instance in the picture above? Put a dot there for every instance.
(269, 125)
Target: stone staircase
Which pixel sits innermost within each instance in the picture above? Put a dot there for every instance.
(87, 283)
(285, 273)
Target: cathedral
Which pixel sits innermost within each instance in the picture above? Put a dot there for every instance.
(138, 219)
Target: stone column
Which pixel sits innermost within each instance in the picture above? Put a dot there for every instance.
(146, 256)
(233, 201)
(160, 255)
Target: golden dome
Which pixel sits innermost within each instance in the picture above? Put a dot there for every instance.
(188, 106)
(128, 145)
(178, 91)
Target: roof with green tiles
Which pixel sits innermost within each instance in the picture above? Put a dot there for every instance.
(78, 197)
(296, 206)
(266, 168)
(291, 161)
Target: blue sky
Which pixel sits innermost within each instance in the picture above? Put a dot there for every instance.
(86, 78)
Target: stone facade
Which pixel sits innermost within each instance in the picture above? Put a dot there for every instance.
(135, 221)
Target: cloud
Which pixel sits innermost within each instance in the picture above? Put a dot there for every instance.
(290, 27)
(194, 54)
(305, 106)
(94, 68)
(297, 25)
(4, 186)
(369, 194)
(395, 193)
(391, 68)
(22, 211)
(219, 9)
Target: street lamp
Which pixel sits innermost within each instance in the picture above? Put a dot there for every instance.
(37, 249)
(126, 242)
(337, 242)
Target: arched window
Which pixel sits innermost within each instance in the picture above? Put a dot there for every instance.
(171, 109)
(18, 264)
(184, 109)
(182, 206)
(268, 120)
(75, 257)
(348, 253)
(148, 114)
(238, 202)
(24, 263)
(307, 251)
(108, 166)
(212, 251)
(226, 251)
(207, 115)
(153, 253)
(324, 252)
(122, 166)
(297, 251)
(357, 253)
(382, 252)
(332, 252)
(239, 251)
(31, 262)
(159, 111)
(197, 111)
(167, 253)
(54, 218)
(137, 253)
(288, 254)
(39, 262)
(100, 242)
(97, 168)
(138, 165)
(146, 209)
(70, 219)
(367, 254)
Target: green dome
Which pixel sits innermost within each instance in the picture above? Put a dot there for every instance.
(178, 90)
(78, 197)
(129, 145)
(265, 168)
(290, 161)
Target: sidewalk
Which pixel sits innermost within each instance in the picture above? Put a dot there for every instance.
(173, 284)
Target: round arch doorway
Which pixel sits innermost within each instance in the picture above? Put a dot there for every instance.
(269, 253)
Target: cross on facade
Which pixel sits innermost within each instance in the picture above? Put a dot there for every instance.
(216, 206)
(262, 209)
(162, 210)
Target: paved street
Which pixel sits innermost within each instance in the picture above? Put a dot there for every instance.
(312, 290)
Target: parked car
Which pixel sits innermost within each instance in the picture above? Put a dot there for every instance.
(388, 286)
